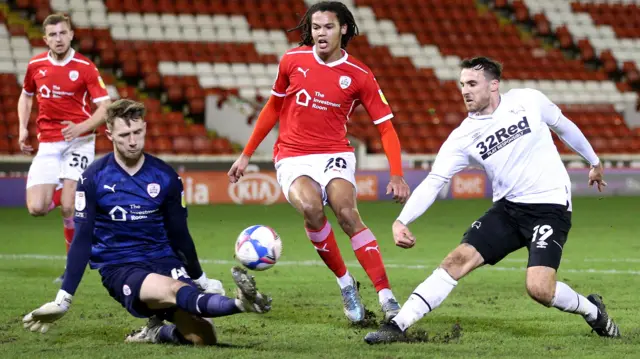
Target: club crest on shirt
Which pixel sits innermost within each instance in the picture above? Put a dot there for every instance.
(153, 189)
(517, 110)
(81, 201)
(73, 75)
(345, 81)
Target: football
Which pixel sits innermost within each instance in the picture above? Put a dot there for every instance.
(258, 247)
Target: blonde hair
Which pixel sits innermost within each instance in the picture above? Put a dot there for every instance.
(127, 110)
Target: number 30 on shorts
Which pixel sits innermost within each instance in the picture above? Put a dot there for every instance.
(79, 160)
(337, 162)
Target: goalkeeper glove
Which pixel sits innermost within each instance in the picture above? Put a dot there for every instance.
(211, 286)
(41, 318)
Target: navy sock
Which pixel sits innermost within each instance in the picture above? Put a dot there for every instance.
(205, 305)
(170, 334)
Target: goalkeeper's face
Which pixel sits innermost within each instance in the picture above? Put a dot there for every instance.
(128, 139)
(326, 32)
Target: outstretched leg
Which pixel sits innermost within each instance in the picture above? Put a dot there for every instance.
(429, 294)
(305, 195)
(342, 199)
(191, 326)
(188, 329)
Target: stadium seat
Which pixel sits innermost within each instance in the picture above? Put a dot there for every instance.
(188, 49)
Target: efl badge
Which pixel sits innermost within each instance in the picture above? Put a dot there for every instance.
(153, 189)
(183, 200)
(73, 75)
(384, 99)
(81, 201)
(101, 82)
(345, 81)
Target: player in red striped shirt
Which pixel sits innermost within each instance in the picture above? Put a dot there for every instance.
(65, 84)
(316, 90)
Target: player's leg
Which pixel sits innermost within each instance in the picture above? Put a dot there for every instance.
(145, 293)
(306, 196)
(40, 199)
(341, 194)
(43, 178)
(487, 240)
(162, 292)
(546, 229)
(184, 329)
(75, 159)
(195, 329)
(67, 200)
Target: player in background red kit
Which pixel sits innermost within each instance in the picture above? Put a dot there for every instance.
(317, 87)
(64, 82)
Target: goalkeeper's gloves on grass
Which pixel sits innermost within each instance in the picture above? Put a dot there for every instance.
(211, 286)
(41, 318)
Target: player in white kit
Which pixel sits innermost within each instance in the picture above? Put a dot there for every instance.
(508, 135)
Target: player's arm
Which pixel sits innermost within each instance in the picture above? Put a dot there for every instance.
(566, 130)
(380, 113)
(449, 161)
(271, 111)
(77, 259)
(391, 147)
(25, 104)
(99, 95)
(570, 134)
(99, 116)
(175, 223)
(265, 123)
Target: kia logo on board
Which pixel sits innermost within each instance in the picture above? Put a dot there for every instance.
(255, 188)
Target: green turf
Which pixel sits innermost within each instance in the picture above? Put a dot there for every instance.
(491, 306)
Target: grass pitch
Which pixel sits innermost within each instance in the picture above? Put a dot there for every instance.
(487, 315)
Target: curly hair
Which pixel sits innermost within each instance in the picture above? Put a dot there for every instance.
(344, 15)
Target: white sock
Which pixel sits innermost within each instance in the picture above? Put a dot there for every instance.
(568, 300)
(384, 295)
(345, 280)
(425, 298)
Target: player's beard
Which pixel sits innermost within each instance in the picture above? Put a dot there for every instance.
(477, 105)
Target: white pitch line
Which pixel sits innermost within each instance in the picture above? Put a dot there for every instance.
(315, 263)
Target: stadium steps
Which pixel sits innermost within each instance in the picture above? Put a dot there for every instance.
(575, 47)
(622, 137)
(415, 70)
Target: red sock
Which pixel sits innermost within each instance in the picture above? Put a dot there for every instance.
(55, 200)
(325, 242)
(69, 231)
(368, 253)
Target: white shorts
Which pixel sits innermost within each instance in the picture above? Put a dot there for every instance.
(321, 168)
(56, 161)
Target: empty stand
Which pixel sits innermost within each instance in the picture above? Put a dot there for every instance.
(184, 50)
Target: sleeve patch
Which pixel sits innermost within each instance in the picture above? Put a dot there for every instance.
(81, 201)
(384, 99)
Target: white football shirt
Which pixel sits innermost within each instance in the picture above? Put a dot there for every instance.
(516, 150)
